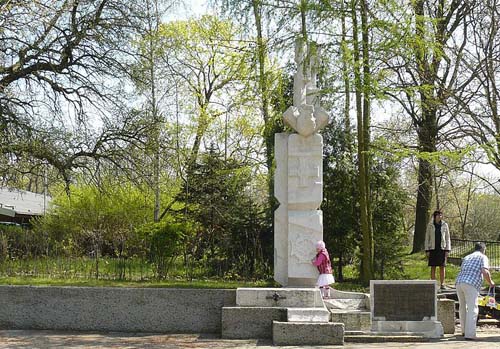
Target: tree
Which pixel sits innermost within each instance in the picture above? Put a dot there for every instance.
(362, 87)
(206, 56)
(340, 214)
(60, 56)
(222, 204)
(426, 74)
(150, 80)
(480, 102)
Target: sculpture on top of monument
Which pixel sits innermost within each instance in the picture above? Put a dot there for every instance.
(306, 115)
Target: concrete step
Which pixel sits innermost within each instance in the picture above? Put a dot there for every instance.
(354, 320)
(307, 333)
(308, 315)
(348, 303)
(380, 337)
(250, 322)
(279, 297)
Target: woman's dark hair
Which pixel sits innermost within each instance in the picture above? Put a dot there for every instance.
(437, 213)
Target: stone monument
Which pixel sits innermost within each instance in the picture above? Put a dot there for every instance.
(299, 177)
(292, 315)
(405, 306)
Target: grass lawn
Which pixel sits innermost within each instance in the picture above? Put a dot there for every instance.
(414, 268)
(114, 283)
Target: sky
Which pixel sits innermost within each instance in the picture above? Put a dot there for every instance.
(190, 8)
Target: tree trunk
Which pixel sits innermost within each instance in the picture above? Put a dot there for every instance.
(426, 130)
(367, 239)
(347, 85)
(369, 243)
(427, 134)
(267, 234)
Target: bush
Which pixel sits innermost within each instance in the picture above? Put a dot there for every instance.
(163, 240)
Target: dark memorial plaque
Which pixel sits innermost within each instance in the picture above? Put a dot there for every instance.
(403, 300)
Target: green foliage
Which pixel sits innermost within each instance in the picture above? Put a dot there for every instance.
(163, 240)
(10, 244)
(340, 208)
(340, 215)
(95, 219)
(221, 202)
(388, 199)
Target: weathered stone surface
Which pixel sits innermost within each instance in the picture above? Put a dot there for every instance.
(162, 310)
(446, 315)
(349, 295)
(305, 172)
(281, 171)
(427, 328)
(307, 333)
(294, 297)
(298, 178)
(353, 320)
(403, 300)
(250, 322)
(305, 228)
(348, 304)
(308, 315)
(405, 306)
(281, 245)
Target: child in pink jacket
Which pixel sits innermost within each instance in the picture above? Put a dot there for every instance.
(322, 262)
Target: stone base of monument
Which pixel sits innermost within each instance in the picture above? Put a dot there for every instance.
(279, 297)
(350, 308)
(353, 320)
(290, 316)
(250, 322)
(381, 337)
(405, 306)
(307, 333)
(426, 328)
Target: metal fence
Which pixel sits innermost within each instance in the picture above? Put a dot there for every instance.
(461, 248)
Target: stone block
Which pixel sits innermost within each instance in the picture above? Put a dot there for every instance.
(305, 228)
(308, 315)
(281, 245)
(307, 333)
(446, 315)
(353, 320)
(250, 322)
(348, 304)
(403, 300)
(281, 171)
(279, 297)
(118, 309)
(305, 172)
(428, 328)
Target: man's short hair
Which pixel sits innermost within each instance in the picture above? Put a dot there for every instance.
(479, 246)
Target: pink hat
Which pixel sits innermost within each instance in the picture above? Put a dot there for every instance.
(320, 244)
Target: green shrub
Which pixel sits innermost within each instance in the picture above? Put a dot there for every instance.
(164, 240)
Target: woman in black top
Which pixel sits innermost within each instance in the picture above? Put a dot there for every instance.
(437, 245)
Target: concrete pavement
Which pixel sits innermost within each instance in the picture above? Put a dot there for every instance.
(21, 339)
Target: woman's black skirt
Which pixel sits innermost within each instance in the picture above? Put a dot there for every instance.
(437, 258)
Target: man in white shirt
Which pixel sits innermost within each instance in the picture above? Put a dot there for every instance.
(469, 281)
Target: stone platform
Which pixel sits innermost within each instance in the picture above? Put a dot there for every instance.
(288, 316)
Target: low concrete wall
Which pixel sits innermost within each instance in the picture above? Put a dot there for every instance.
(163, 310)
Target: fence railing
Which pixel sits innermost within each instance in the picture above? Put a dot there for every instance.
(460, 248)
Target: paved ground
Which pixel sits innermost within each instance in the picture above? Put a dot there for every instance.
(53, 339)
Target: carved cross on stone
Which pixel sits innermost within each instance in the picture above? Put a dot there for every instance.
(304, 171)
